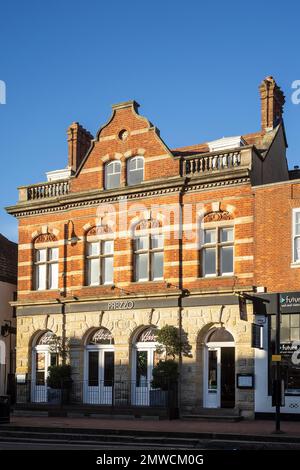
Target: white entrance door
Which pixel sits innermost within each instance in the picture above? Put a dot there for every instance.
(143, 362)
(99, 372)
(219, 375)
(212, 377)
(42, 359)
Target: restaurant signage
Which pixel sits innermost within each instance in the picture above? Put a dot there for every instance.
(120, 305)
(290, 302)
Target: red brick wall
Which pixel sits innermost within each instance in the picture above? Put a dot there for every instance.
(273, 232)
(238, 199)
(160, 165)
(146, 143)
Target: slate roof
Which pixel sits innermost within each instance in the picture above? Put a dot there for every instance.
(261, 140)
(8, 260)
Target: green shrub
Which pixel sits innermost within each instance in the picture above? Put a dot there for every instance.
(165, 373)
(59, 376)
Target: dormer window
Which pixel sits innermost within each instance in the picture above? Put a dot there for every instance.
(135, 171)
(112, 175)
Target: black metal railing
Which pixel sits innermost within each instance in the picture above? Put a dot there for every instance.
(104, 393)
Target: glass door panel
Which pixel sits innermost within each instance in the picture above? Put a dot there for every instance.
(212, 378)
(100, 365)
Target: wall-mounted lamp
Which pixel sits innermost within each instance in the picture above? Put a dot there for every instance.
(73, 239)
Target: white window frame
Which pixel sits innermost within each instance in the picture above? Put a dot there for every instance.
(217, 245)
(101, 257)
(294, 236)
(113, 164)
(48, 262)
(149, 251)
(130, 170)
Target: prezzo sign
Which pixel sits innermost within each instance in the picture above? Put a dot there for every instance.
(120, 305)
(290, 302)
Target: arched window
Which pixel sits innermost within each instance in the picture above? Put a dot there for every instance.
(112, 175)
(148, 251)
(102, 336)
(45, 262)
(43, 356)
(99, 367)
(135, 170)
(144, 358)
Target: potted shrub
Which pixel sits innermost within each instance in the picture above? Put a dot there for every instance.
(59, 382)
(165, 373)
(165, 376)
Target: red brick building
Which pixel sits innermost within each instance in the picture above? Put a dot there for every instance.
(277, 263)
(8, 291)
(132, 236)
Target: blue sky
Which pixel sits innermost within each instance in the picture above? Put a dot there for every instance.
(193, 66)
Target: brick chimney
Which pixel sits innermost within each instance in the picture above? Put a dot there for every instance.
(272, 101)
(79, 141)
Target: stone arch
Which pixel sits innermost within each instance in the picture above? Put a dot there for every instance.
(219, 334)
(138, 330)
(45, 231)
(134, 334)
(219, 209)
(91, 331)
(37, 335)
(89, 225)
(33, 341)
(208, 329)
(146, 216)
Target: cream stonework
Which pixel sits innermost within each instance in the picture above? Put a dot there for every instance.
(196, 323)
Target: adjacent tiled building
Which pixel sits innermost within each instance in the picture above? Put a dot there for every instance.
(132, 236)
(8, 290)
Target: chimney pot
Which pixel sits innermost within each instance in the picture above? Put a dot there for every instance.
(79, 141)
(272, 102)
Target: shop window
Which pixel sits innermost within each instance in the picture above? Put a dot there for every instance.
(289, 350)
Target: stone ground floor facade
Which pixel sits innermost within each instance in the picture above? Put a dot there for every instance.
(107, 346)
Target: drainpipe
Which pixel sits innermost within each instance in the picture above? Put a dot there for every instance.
(64, 293)
(182, 291)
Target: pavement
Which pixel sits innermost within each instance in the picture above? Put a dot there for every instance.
(256, 428)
